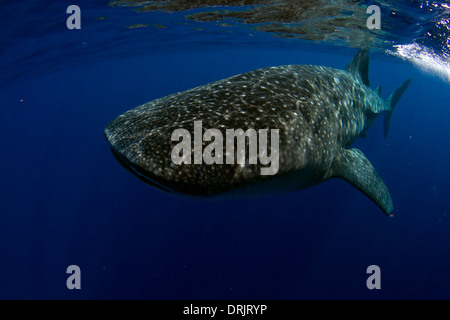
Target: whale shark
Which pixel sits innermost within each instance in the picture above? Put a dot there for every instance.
(316, 111)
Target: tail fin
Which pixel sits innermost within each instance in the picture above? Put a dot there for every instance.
(392, 102)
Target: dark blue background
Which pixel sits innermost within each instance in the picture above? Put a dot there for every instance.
(65, 200)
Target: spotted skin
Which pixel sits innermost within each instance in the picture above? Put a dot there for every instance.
(319, 112)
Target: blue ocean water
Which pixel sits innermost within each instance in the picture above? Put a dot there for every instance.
(64, 199)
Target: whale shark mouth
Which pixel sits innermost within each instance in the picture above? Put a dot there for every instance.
(136, 170)
(139, 172)
(172, 187)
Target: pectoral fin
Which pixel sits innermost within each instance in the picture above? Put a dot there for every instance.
(353, 166)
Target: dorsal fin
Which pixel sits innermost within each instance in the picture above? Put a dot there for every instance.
(359, 66)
